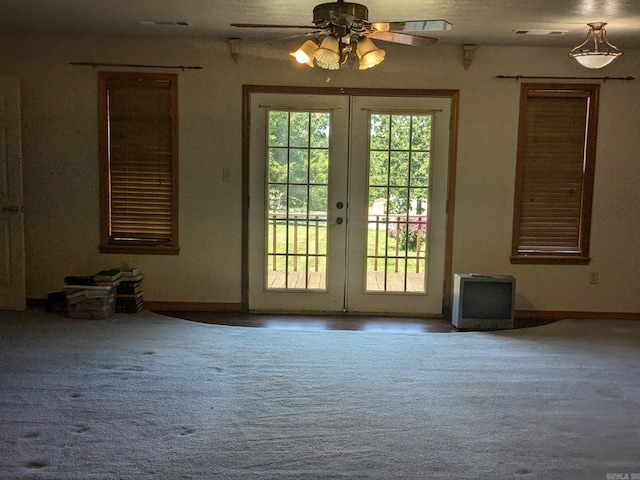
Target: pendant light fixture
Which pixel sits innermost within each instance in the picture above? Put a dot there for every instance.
(595, 51)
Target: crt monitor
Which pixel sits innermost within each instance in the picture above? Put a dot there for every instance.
(482, 301)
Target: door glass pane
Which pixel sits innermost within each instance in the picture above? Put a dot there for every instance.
(297, 195)
(398, 195)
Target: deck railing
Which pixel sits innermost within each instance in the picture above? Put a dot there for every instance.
(412, 227)
(309, 226)
(312, 224)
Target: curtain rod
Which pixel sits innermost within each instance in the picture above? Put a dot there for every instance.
(604, 79)
(93, 64)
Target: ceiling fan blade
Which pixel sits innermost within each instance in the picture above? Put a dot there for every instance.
(269, 25)
(403, 38)
(287, 37)
(413, 26)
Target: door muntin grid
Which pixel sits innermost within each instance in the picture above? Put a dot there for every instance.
(400, 148)
(297, 193)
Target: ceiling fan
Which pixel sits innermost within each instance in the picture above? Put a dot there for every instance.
(344, 31)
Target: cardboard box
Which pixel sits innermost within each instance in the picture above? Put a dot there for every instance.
(91, 302)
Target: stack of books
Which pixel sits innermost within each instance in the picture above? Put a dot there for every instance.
(78, 280)
(126, 283)
(129, 291)
(108, 278)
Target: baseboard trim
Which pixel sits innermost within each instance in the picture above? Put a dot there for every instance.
(562, 315)
(549, 315)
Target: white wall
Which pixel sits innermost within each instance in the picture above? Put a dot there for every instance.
(60, 148)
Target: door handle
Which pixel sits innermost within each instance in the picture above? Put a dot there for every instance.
(11, 209)
(339, 220)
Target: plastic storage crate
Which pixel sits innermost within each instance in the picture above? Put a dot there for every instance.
(84, 301)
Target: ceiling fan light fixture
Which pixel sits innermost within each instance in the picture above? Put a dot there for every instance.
(595, 51)
(327, 56)
(369, 54)
(305, 53)
(343, 30)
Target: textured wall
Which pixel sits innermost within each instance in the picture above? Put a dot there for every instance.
(60, 148)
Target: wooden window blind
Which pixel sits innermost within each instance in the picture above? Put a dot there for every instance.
(555, 168)
(139, 162)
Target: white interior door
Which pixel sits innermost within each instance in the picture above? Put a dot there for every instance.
(348, 203)
(12, 268)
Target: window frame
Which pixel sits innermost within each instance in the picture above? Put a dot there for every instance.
(135, 245)
(546, 254)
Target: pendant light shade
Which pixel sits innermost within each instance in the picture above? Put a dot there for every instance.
(369, 54)
(328, 54)
(335, 50)
(304, 54)
(595, 51)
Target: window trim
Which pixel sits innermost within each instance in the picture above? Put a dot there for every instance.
(581, 257)
(108, 245)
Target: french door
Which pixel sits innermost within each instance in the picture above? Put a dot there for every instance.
(347, 205)
(12, 257)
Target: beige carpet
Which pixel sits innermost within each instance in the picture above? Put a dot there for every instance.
(148, 396)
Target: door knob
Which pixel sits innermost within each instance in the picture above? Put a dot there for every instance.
(11, 209)
(339, 220)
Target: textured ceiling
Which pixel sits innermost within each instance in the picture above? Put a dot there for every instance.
(481, 22)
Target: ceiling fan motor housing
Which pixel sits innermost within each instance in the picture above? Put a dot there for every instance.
(339, 13)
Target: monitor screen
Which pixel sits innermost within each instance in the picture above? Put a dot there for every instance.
(487, 300)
